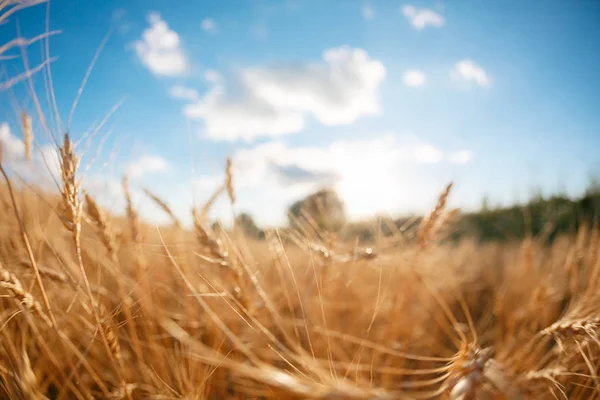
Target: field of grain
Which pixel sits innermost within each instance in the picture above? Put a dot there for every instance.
(99, 307)
(96, 306)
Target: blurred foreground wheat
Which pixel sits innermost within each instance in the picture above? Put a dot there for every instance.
(98, 307)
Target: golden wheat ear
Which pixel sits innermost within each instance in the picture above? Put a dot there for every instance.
(72, 221)
(70, 186)
(103, 225)
(229, 181)
(428, 224)
(10, 282)
(163, 206)
(27, 135)
(132, 216)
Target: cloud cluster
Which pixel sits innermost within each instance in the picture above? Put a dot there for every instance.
(414, 78)
(12, 147)
(370, 174)
(43, 169)
(421, 18)
(469, 71)
(146, 164)
(160, 50)
(183, 93)
(275, 159)
(277, 100)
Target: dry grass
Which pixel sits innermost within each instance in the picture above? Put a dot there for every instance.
(87, 312)
(159, 314)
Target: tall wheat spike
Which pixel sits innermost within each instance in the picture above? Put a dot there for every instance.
(132, 217)
(429, 222)
(164, 206)
(229, 181)
(27, 135)
(99, 218)
(72, 222)
(10, 282)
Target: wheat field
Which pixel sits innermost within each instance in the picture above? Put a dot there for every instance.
(100, 307)
(96, 306)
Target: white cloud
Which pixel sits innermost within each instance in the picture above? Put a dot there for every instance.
(209, 25)
(145, 165)
(12, 147)
(371, 175)
(460, 157)
(44, 166)
(414, 78)
(184, 93)
(160, 48)
(107, 191)
(469, 71)
(50, 159)
(420, 18)
(368, 12)
(274, 101)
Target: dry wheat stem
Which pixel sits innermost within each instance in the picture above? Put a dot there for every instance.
(27, 135)
(73, 209)
(229, 181)
(164, 206)
(132, 216)
(101, 221)
(12, 283)
(25, 239)
(17, 5)
(429, 222)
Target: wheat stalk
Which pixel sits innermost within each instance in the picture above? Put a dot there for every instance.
(27, 135)
(59, 277)
(103, 225)
(426, 231)
(111, 337)
(70, 188)
(132, 217)
(10, 282)
(229, 181)
(573, 327)
(164, 206)
(25, 239)
(206, 237)
(72, 222)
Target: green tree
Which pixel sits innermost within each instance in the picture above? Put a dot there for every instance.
(245, 222)
(323, 207)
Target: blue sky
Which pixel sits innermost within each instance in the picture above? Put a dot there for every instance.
(386, 100)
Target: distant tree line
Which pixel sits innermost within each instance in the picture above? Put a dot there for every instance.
(547, 217)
